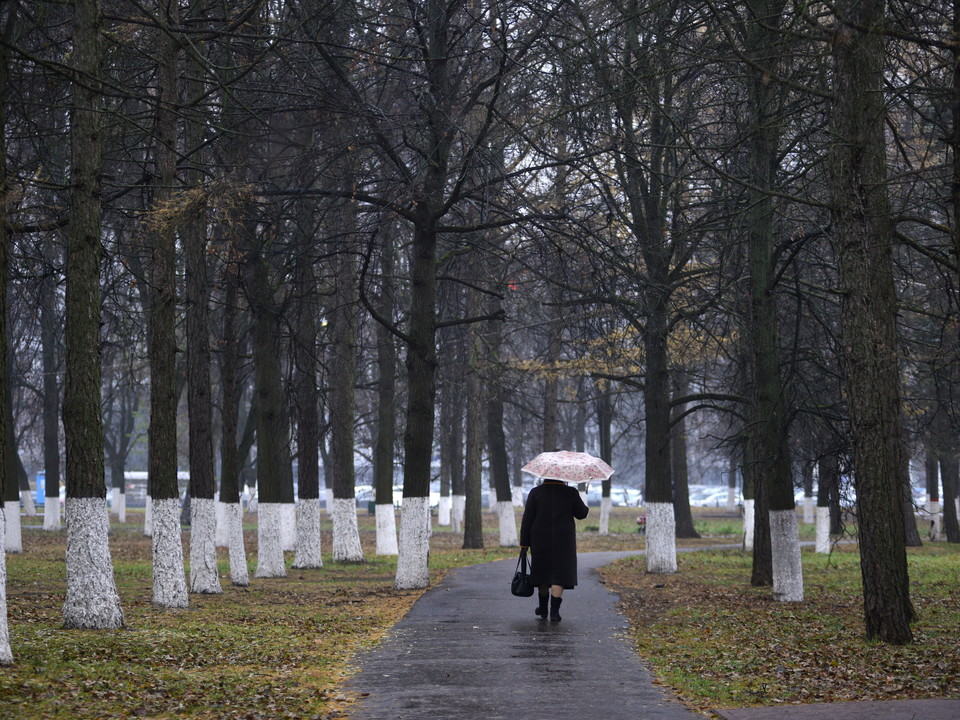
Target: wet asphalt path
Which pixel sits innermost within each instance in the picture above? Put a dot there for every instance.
(470, 650)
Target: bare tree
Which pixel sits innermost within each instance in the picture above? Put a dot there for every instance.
(169, 580)
(863, 249)
(92, 600)
(6, 654)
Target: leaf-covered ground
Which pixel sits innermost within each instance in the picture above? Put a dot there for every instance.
(275, 649)
(718, 642)
(281, 647)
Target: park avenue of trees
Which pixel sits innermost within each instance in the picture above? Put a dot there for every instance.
(264, 241)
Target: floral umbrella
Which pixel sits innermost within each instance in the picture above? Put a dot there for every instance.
(576, 467)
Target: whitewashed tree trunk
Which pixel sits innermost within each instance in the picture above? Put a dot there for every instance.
(661, 538)
(223, 527)
(387, 528)
(13, 537)
(457, 508)
(443, 511)
(785, 547)
(6, 654)
(308, 535)
(731, 499)
(606, 505)
(748, 525)
(233, 518)
(329, 496)
(933, 517)
(29, 507)
(148, 517)
(823, 530)
(288, 526)
(346, 534)
(51, 515)
(169, 580)
(809, 510)
(204, 574)
(413, 560)
(269, 542)
(115, 500)
(508, 524)
(92, 601)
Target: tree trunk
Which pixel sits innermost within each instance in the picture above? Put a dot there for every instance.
(911, 534)
(950, 520)
(51, 400)
(863, 245)
(829, 471)
(449, 411)
(550, 382)
(748, 498)
(272, 439)
(414, 545)
(204, 575)
(808, 499)
(13, 536)
(661, 523)
(124, 405)
(732, 481)
(451, 434)
(445, 506)
(605, 441)
(475, 402)
(346, 535)
(6, 654)
(169, 580)
(496, 439)
(932, 471)
(946, 442)
(678, 458)
(762, 567)
(229, 420)
(950, 475)
(772, 448)
(308, 553)
(387, 403)
(92, 601)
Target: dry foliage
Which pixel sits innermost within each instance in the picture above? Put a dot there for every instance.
(281, 647)
(278, 648)
(718, 642)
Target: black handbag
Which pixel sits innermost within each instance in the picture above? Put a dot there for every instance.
(521, 585)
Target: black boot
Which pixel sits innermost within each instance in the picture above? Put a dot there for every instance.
(555, 608)
(541, 611)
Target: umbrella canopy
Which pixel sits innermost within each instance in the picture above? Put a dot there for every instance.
(568, 466)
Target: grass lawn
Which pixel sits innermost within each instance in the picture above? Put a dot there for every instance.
(275, 649)
(280, 647)
(718, 642)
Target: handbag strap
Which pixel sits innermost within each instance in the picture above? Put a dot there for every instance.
(522, 561)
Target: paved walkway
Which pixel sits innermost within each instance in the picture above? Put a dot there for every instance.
(468, 650)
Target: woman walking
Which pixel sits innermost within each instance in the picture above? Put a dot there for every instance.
(549, 530)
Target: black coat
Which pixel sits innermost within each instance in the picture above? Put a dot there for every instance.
(548, 529)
